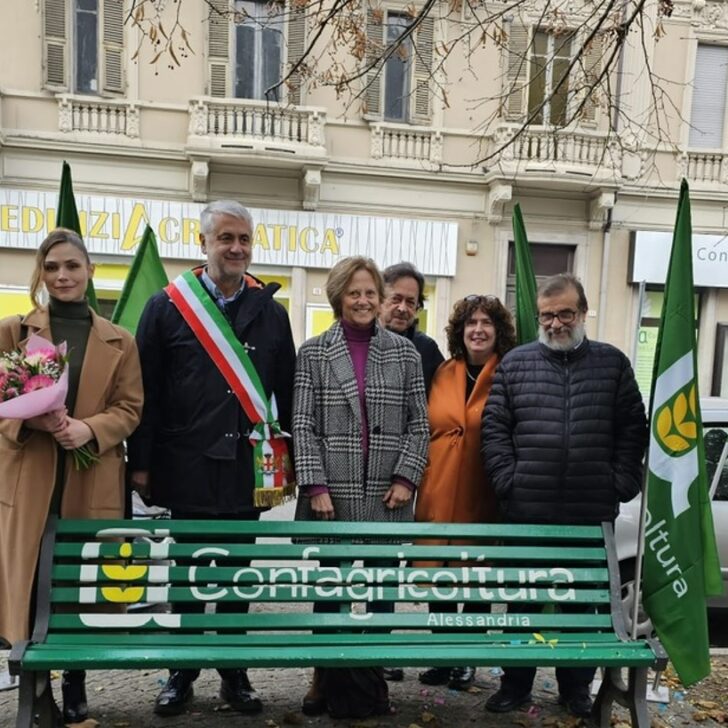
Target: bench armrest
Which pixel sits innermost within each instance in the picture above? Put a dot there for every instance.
(16, 656)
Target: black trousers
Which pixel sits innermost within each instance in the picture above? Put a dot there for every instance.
(571, 680)
(198, 607)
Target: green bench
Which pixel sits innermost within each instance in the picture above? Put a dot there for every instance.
(534, 570)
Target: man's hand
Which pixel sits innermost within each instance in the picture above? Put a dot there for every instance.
(49, 422)
(75, 433)
(140, 483)
(322, 507)
(397, 496)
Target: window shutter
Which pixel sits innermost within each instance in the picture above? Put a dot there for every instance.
(375, 45)
(709, 96)
(592, 61)
(113, 46)
(296, 48)
(517, 74)
(423, 71)
(218, 47)
(55, 35)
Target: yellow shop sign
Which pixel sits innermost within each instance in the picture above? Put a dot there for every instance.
(114, 226)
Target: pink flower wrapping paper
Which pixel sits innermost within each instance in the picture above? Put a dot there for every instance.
(38, 401)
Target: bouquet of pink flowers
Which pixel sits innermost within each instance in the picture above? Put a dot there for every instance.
(34, 382)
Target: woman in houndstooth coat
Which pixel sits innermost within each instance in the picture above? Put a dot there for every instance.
(360, 434)
(360, 427)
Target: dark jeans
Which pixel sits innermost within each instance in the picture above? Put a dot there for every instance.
(198, 607)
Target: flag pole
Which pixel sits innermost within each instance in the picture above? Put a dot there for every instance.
(640, 546)
(643, 504)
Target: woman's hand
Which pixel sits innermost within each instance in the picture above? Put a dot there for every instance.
(397, 496)
(49, 422)
(74, 434)
(322, 506)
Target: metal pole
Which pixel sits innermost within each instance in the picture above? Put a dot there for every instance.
(640, 546)
(638, 322)
(643, 503)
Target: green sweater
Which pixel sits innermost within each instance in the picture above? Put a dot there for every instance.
(70, 322)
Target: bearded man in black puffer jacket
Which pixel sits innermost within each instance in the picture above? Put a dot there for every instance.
(564, 433)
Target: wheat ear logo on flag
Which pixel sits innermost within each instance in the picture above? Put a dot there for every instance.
(674, 433)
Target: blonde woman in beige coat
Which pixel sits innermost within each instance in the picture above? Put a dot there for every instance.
(37, 473)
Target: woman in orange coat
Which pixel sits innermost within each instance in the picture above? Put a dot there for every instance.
(454, 488)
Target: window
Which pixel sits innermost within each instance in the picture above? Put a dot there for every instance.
(86, 46)
(258, 49)
(709, 96)
(549, 63)
(538, 61)
(720, 365)
(547, 259)
(83, 45)
(250, 59)
(647, 337)
(398, 89)
(714, 438)
(397, 70)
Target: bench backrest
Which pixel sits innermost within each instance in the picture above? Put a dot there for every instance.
(552, 578)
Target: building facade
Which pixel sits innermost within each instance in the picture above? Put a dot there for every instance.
(405, 171)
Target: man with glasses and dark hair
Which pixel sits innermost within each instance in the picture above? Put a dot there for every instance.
(564, 432)
(404, 297)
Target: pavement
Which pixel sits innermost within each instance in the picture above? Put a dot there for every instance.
(124, 699)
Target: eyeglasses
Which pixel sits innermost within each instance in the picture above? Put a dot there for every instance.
(477, 298)
(566, 316)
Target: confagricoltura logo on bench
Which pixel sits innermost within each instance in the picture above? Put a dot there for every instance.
(310, 581)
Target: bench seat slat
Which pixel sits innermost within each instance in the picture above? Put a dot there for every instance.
(307, 620)
(44, 657)
(85, 573)
(288, 639)
(554, 555)
(131, 594)
(332, 529)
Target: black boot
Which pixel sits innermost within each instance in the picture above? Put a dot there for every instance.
(238, 693)
(314, 702)
(177, 692)
(461, 678)
(73, 689)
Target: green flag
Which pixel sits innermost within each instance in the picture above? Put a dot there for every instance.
(526, 328)
(681, 565)
(146, 277)
(67, 217)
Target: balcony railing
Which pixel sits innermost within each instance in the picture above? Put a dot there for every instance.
(707, 168)
(559, 150)
(256, 123)
(99, 116)
(406, 144)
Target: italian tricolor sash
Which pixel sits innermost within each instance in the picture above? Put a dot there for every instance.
(271, 461)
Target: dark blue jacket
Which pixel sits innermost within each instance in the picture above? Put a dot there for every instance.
(429, 352)
(564, 434)
(193, 433)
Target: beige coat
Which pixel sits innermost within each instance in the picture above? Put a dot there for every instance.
(109, 401)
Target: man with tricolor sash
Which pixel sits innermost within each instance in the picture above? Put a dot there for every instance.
(218, 361)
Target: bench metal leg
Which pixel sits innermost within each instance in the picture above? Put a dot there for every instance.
(36, 699)
(632, 696)
(638, 697)
(26, 700)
